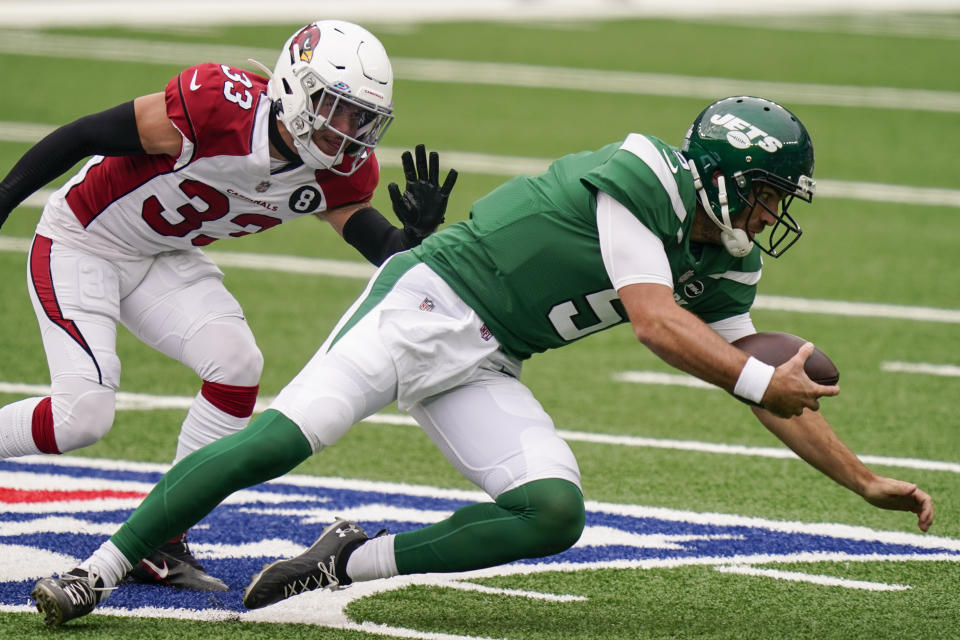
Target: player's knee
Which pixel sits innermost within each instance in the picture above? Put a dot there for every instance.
(554, 510)
(246, 367)
(81, 418)
(226, 353)
(243, 367)
(561, 515)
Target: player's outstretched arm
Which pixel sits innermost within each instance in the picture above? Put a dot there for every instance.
(683, 341)
(812, 438)
(421, 209)
(113, 132)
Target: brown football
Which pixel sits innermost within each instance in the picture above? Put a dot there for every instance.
(775, 348)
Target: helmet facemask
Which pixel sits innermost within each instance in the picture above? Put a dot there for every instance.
(337, 112)
(786, 230)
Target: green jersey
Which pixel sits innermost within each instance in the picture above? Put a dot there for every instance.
(528, 260)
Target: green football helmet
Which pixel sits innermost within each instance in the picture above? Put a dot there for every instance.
(737, 143)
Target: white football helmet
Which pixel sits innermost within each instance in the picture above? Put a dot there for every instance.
(331, 72)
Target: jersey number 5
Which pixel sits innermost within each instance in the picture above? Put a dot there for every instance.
(571, 322)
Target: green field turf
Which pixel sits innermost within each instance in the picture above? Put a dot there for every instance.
(852, 250)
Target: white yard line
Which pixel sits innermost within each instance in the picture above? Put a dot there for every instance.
(927, 368)
(662, 84)
(667, 379)
(362, 271)
(127, 401)
(857, 309)
(684, 380)
(782, 453)
(27, 43)
(905, 25)
(193, 13)
(491, 164)
(797, 576)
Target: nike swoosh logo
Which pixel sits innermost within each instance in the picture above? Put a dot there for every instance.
(193, 82)
(160, 574)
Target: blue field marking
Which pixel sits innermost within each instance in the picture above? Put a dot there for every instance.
(39, 537)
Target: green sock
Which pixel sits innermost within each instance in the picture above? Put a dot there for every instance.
(267, 448)
(537, 519)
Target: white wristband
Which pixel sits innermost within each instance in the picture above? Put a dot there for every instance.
(754, 380)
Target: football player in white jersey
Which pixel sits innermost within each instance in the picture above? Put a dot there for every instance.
(220, 153)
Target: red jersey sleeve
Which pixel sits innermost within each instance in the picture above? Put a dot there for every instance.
(357, 187)
(214, 107)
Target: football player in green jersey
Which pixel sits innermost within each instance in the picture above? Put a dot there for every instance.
(667, 239)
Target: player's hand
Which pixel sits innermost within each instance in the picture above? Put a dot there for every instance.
(423, 204)
(897, 495)
(791, 390)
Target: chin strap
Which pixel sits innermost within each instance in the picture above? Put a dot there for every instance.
(735, 241)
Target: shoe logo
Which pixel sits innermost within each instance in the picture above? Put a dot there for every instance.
(350, 528)
(160, 574)
(193, 82)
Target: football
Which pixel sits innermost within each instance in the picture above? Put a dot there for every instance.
(775, 348)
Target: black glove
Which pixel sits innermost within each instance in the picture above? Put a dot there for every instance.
(422, 205)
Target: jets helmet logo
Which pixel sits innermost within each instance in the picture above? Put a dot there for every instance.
(742, 135)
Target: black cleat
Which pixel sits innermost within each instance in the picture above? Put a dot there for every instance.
(323, 565)
(173, 565)
(70, 596)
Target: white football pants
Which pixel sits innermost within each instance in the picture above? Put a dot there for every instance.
(175, 302)
(422, 346)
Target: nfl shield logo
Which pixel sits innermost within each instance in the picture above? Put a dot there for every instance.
(485, 333)
(427, 305)
(263, 186)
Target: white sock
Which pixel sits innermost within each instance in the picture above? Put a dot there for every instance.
(109, 563)
(16, 429)
(373, 559)
(204, 424)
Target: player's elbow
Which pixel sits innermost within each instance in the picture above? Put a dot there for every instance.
(652, 311)
(652, 330)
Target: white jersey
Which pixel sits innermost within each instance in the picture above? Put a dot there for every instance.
(219, 186)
